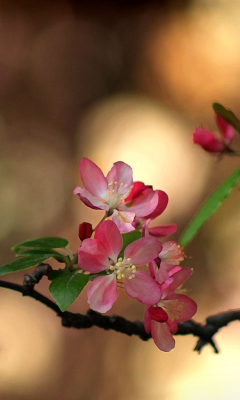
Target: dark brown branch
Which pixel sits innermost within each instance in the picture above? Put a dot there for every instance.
(204, 332)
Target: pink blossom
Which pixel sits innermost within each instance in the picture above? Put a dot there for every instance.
(102, 254)
(212, 143)
(172, 307)
(111, 193)
(170, 257)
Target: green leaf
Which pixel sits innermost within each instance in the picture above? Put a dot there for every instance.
(44, 243)
(129, 238)
(48, 254)
(22, 263)
(210, 206)
(227, 115)
(66, 287)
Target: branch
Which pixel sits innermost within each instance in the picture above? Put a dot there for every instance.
(204, 332)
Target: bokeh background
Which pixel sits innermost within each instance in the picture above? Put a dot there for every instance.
(115, 80)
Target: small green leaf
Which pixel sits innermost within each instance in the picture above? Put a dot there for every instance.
(66, 287)
(43, 243)
(210, 206)
(227, 115)
(22, 263)
(48, 254)
(129, 238)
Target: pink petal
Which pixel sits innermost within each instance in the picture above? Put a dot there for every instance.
(93, 256)
(226, 129)
(108, 233)
(207, 140)
(143, 250)
(161, 206)
(102, 293)
(145, 228)
(172, 325)
(162, 336)
(93, 178)
(144, 204)
(157, 314)
(162, 273)
(89, 200)
(143, 288)
(123, 220)
(188, 307)
(147, 321)
(121, 173)
(163, 230)
(137, 189)
(179, 278)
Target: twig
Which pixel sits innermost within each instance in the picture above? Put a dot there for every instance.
(204, 332)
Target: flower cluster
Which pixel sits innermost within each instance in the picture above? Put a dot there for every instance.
(146, 268)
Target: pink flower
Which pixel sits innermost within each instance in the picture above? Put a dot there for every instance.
(170, 257)
(210, 142)
(110, 193)
(172, 307)
(101, 254)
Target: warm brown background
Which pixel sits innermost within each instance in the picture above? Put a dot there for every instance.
(120, 80)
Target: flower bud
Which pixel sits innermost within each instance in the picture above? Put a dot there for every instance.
(85, 231)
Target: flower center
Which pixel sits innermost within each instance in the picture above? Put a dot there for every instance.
(172, 307)
(124, 269)
(172, 253)
(117, 192)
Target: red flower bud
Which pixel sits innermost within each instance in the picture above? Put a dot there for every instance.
(85, 231)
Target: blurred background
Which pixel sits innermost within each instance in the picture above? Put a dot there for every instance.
(115, 80)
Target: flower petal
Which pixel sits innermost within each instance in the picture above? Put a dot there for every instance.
(137, 188)
(122, 174)
(108, 233)
(147, 321)
(162, 336)
(163, 273)
(143, 250)
(93, 178)
(207, 140)
(89, 200)
(226, 129)
(178, 279)
(93, 256)
(158, 314)
(161, 206)
(123, 220)
(162, 230)
(187, 306)
(143, 288)
(144, 204)
(102, 293)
